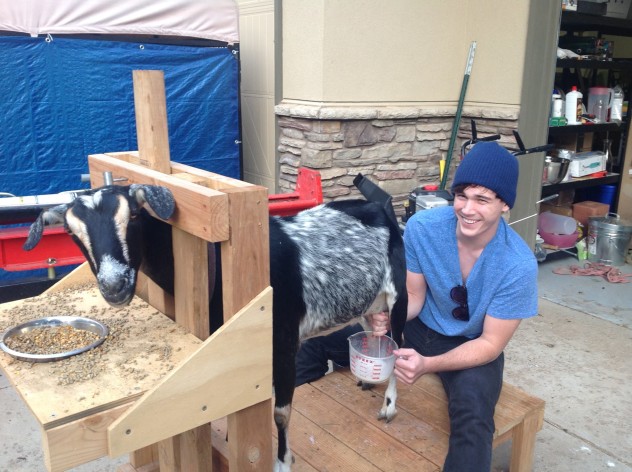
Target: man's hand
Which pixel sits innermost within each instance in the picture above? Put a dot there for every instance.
(409, 365)
(380, 323)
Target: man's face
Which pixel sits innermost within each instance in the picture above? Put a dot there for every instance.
(478, 211)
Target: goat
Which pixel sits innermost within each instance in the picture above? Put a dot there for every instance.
(327, 266)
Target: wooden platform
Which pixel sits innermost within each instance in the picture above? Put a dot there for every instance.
(334, 427)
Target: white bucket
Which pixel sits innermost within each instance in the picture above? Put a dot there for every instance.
(371, 357)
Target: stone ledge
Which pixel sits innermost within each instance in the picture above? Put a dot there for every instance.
(390, 112)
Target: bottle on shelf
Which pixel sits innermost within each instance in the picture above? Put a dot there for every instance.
(538, 250)
(573, 110)
(598, 111)
(616, 112)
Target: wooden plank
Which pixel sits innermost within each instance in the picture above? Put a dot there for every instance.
(418, 428)
(200, 211)
(518, 415)
(220, 449)
(354, 428)
(80, 441)
(160, 300)
(245, 271)
(246, 257)
(202, 388)
(142, 347)
(324, 452)
(191, 450)
(169, 454)
(523, 442)
(191, 283)
(210, 179)
(150, 105)
(249, 444)
(512, 407)
(196, 449)
(143, 458)
(180, 452)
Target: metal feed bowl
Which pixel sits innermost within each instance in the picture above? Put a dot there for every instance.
(76, 322)
(555, 169)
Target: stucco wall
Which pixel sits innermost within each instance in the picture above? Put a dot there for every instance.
(402, 51)
(391, 67)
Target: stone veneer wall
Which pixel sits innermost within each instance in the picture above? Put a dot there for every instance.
(397, 148)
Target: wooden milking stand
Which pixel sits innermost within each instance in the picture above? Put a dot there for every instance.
(235, 214)
(230, 375)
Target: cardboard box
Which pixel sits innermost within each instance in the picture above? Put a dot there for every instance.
(583, 210)
(558, 210)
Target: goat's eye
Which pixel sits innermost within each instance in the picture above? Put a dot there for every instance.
(134, 216)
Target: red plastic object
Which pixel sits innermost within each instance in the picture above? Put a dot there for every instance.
(56, 248)
(562, 241)
(308, 194)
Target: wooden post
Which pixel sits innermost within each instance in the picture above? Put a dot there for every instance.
(247, 253)
(151, 119)
(183, 452)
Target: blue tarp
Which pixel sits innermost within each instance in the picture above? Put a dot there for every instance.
(64, 99)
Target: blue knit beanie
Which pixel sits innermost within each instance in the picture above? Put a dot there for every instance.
(490, 165)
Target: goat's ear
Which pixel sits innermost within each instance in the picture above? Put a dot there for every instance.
(51, 216)
(160, 199)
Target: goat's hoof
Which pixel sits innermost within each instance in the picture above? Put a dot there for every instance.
(386, 415)
(366, 385)
(281, 467)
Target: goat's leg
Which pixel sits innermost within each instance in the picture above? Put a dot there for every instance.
(284, 373)
(398, 309)
(282, 420)
(389, 409)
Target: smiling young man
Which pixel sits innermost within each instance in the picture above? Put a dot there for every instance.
(470, 280)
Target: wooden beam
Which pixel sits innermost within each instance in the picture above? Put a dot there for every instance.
(150, 104)
(200, 210)
(190, 256)
(79, 441)
(247, 252)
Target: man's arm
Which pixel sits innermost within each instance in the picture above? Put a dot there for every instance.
(496, 334)
(416, 287)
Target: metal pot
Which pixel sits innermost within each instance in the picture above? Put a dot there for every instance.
(555, 169)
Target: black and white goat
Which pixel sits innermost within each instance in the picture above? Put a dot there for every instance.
(328, 265)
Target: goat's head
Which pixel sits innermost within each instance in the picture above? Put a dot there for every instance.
(106, 224)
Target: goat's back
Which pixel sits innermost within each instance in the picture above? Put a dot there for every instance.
(332, 261)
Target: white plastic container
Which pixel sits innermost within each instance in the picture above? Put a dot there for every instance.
(586, 163)
(616, 111)
(558, 224)
(599, 102)
(371, 357)
(573, 110)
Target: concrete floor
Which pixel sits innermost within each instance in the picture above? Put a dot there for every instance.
(576, 355)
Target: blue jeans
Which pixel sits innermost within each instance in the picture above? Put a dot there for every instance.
(312, 356)
(472, 396)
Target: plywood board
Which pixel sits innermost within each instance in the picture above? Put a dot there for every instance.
(231, 371)
(143, 346)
